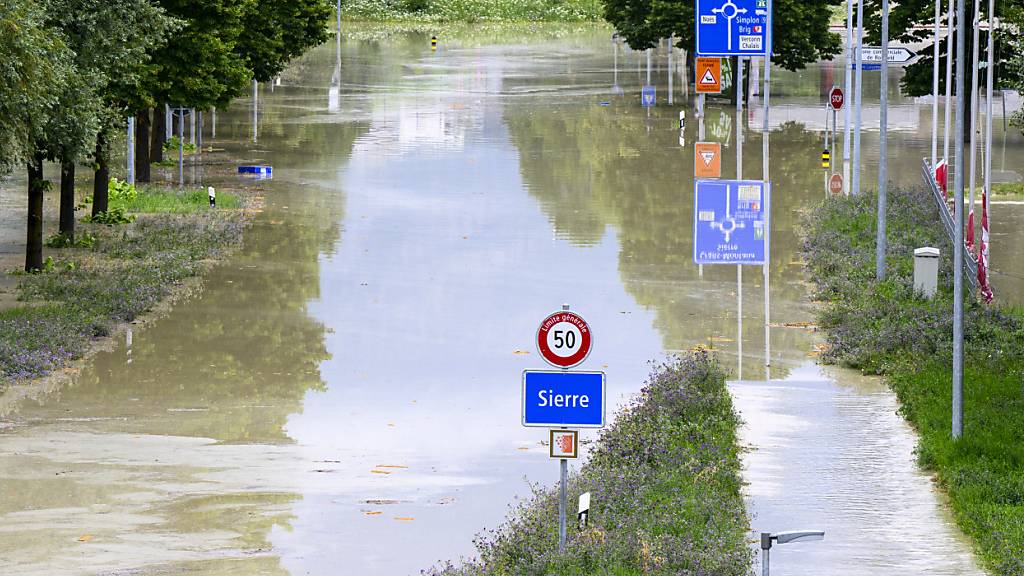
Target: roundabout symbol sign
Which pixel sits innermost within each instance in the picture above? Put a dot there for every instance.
(564, 339)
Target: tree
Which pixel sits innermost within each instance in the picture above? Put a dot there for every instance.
(109, 40)
(800, 27)
(913, 21)
(34, 65)
(277, 31)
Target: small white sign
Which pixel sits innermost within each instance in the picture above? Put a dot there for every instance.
(751, 42)
(584, 505)
(708, 19)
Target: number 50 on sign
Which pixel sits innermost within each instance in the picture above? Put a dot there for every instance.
(564, 339)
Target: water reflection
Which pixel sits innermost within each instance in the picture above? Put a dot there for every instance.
(351, 378)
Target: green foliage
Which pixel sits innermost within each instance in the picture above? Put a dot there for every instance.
(800, 27)
(173, 144)
(665, 483)
(121, 191)
(111, 217)
(85, 240)
(151, 199)
(474, 10)
(35, 64)
(886, 328)
(277, 31)
(198, 65)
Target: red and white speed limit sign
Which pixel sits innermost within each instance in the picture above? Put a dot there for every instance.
(564, 339)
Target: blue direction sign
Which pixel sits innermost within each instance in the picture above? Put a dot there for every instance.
(648, 96)
(560, 398)
(730, 219)
(732, 27)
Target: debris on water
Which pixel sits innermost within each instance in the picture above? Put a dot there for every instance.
(85, 538)
(606, 103)
(404, 518)
(379, 472)
(380, 501)
(391, 466)
(372, 512)
(520, 352)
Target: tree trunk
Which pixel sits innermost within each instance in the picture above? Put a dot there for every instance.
(34, 238)
(67, 198)
(101, 181)
(156, 148)
(142, 168)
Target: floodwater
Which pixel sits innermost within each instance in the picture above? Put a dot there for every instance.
(343, 395)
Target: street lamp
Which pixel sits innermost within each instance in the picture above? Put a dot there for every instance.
(785, 538)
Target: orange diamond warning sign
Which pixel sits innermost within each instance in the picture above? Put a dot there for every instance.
(707, 160)
(709, 75)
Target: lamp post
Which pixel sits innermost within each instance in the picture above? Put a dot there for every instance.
(767, 538)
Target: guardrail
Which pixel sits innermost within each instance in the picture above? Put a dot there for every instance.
(947, 221)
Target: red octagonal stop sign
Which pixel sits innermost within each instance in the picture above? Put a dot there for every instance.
(836, 98)
(564, 339)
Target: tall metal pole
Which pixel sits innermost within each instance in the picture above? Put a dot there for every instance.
(671, 77)
(764, 561)
(950, 40)
(181, 146)
(849, 81)
(989, 74)
(855, 186)
(972, 105)
(766, 175)
(130, 152)
(739, 86)
(739, 267)
(883, 151)
(935, 84)
(255, 108)
(564, 469)
(958, 237)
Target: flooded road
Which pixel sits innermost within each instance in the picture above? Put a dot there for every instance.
(343, 395)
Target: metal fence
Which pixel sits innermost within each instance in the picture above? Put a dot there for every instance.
(947, 221)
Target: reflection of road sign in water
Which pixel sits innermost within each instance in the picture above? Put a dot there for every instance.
(648, 96)
(835, 184)
(564, 339)
(709, 75)
(836, 98)
(707, 160)
(563, 398)
(732, 27)
(730, 219)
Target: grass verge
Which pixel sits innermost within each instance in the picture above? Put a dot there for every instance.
(112, 275)
(886, 328)
(665, 486)
(473, 10)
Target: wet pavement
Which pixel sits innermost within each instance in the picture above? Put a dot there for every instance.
(343, 396)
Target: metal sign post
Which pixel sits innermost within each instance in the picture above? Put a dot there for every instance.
(560, 399)
(883, 152)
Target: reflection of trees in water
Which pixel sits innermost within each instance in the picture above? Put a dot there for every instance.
(597, 166)
(234, 362)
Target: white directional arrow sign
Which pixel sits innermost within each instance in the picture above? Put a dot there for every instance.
(897, 55)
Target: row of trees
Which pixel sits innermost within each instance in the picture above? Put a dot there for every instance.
(74, 70)
(801, 33)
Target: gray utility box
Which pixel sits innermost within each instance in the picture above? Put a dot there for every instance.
(926, 271)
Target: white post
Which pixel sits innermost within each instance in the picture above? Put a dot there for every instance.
(859, 79)
(181, 146)
(958, 230)
(130, 155)
(972, 105)
(935, 85)
(192, 125)
(989, 69)
(883, 150)
(255, 108)
(849, 81)
(738, 76)
(766, 177)
(950, 40)
(213, 127)
(671, 96)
